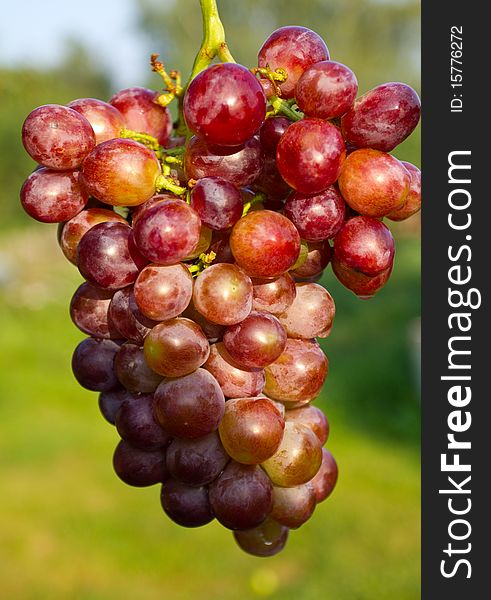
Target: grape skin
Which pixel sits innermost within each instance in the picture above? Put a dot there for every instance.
(136, 424)
(267, 539)
(293, 506)
(137, 467)
(412, 203)
(89, 311)
(186, 505)
(127, 318)
(133, 372)
(106, 120)
(326, 477)
(311, 314)
(93, 364)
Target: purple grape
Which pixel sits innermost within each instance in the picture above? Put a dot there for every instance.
(271, 132)
(185, 505)
(127, 318)
(139, 468)
(93, 364)
(133, 372)
(136, 424)
(110, 402)
(89, 310)
(217, 202)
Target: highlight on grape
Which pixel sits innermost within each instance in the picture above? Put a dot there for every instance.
(201, 242)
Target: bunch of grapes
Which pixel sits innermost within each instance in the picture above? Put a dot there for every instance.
(200, 243)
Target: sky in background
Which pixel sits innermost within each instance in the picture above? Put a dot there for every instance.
(36, 30)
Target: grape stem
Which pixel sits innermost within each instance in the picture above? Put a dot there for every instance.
(284, 107)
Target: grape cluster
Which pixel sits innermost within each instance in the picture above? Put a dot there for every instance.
(200, 254)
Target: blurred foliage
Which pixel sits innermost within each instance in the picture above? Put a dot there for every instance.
(22, 90)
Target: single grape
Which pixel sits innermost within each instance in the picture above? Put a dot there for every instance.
(317, 217)
(127, 318)
(217, 202)
(365, 244)
(89, 310)
(271, 132)
(234, 381)
(162, 293)
(251, 429)
(326, 90)
(265, 244)
(298, 374)
(52, 196)
(255, 342)
(310, 155)
(139, 468)
(110, 402)
(412, 203)
(74, 229)
(293, 49)
(270, 182)
(93, 364)
(213, 332)
(374, 183)
(239, 166)
(133, 372)
(139, 210)
(225, 104)
(198, 461)
(383, 117)
(105, 258)
(242, 496)
(190, 406)
(326, 477)
(297, 459)
(185, 505)
(318, 257)
(312, 417)
(57, 137)
(223, 294)
(121, 172)
(176, 347)
(267, 539)
(106, 120)
(293, 506)
(136, 424)
(168, 232)
(363, 286)
(142, 113)
(274, 296)
(311, 314)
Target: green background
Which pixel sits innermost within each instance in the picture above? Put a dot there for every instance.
(68, 527)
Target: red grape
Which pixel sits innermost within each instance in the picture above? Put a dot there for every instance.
(270, 182)
(104, 256)
(383, 117)
(365, 244)
(373, 183)
(312, 417)
(318, 257)
(53, 196)
(298, 374)
(363, 286)
(137, 467)
(185, 505)
(293, 49)
(176, 347)
(136, 424)
(139, 210)
(217, 202)
(93, 364)
(127, 318)
(311, 313)
(133, 372)
(223, 294)
(142, 113)
(121, 172)
(251, 429)
(198, 461)
(310, 155)
(326, 477)
(234, 381)
(274, 296)
(267, 539)
(73, 230)
(271, 132)
(106, 121)
(293, 506)
(326, 90)
(57, 137)
(89, 310)
(225, 104)
(242, 496)
(191, 406)
(317, 217)
(239, 166)
(297, 459)
(162, 293)
(167, 232)
(412, 203)
(255, 342)
(265, 244)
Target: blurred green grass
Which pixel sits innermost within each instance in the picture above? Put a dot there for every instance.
(70, 529)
